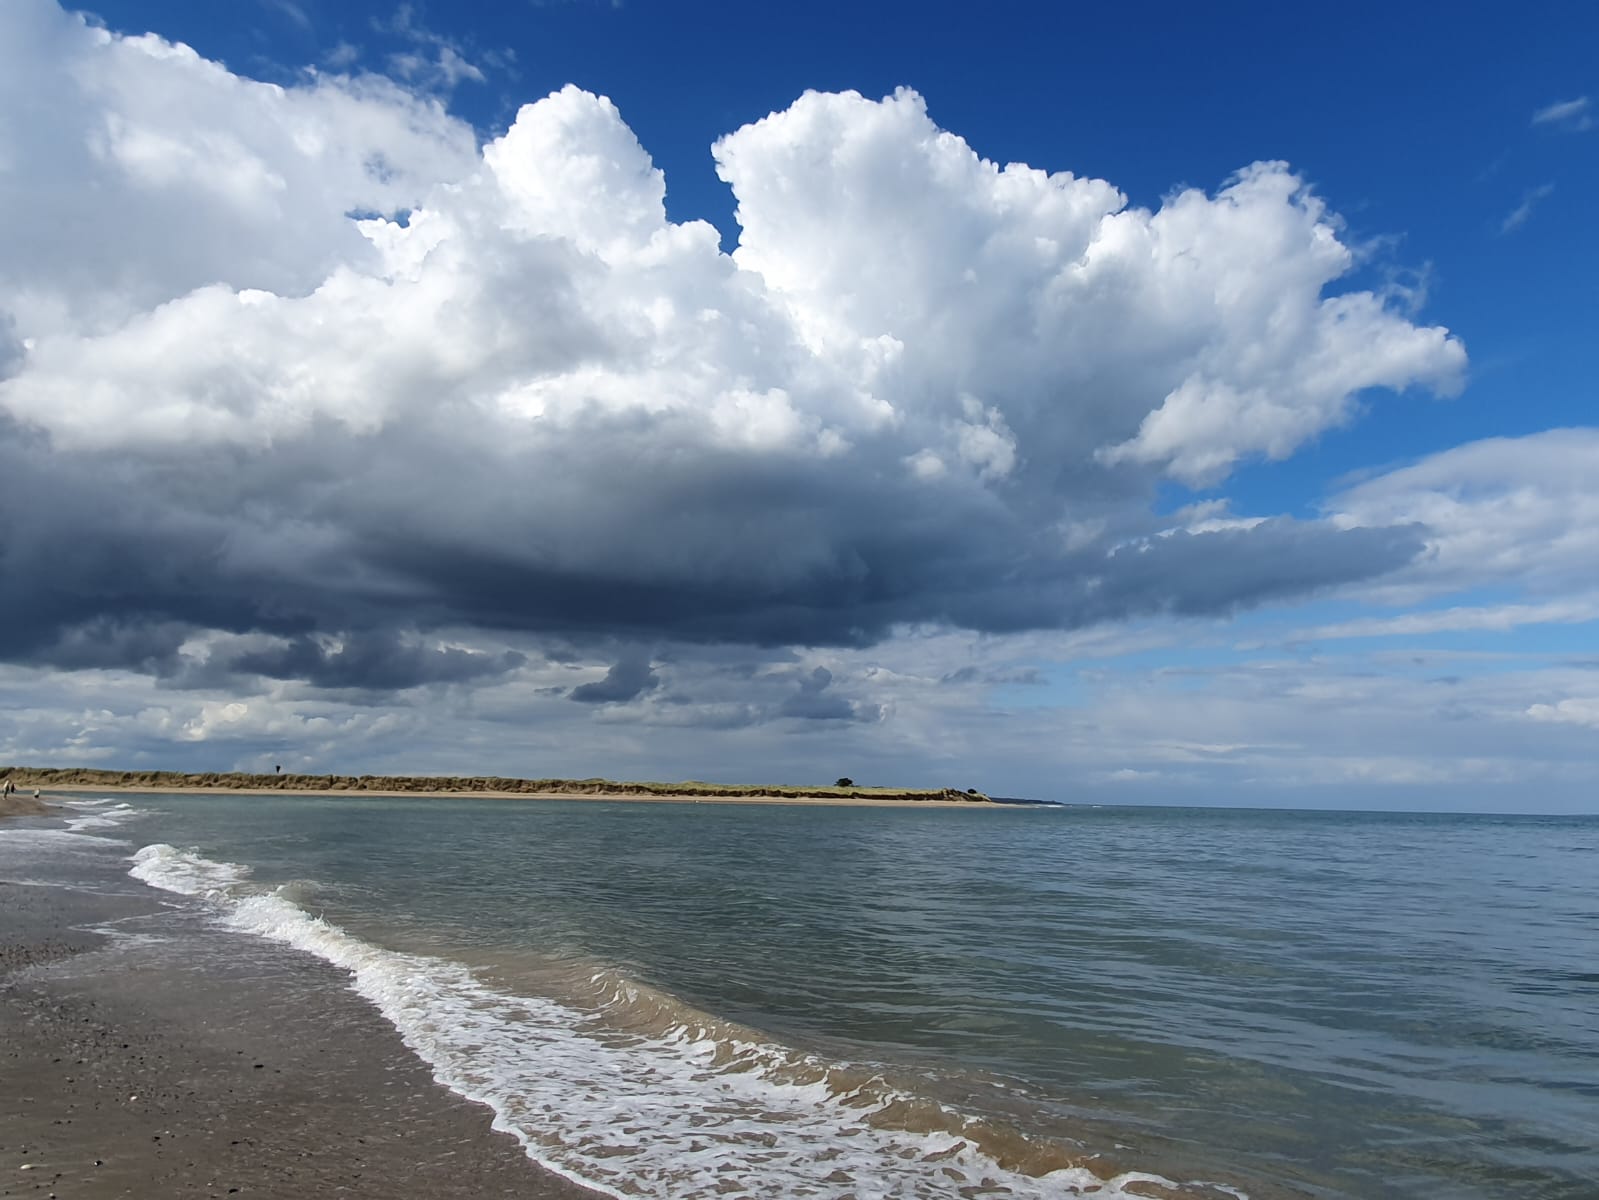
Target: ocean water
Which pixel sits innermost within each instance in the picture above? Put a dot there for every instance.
(701, 1000)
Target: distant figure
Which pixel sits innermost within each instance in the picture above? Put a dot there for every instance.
(35, 793)
(277, 770)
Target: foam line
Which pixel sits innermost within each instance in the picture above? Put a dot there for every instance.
(675, 1108)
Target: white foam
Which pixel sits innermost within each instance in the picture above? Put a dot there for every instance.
(57, 839)
(680, 1114)
(187, 873)
(102, 814)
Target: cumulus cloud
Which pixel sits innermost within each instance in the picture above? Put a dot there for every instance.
(314, 368)
(138, 171)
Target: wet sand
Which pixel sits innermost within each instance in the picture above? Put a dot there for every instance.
(22, 805)
(190, 1062)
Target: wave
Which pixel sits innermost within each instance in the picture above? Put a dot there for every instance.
(99, 814)
(632, 1092)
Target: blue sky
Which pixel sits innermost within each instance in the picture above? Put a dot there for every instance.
(635, 526)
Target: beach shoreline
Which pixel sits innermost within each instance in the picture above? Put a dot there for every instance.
(138, 1069)
(20, 805)
(802, 801)
(78, 780)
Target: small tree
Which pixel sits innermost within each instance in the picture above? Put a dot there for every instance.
(844, 781)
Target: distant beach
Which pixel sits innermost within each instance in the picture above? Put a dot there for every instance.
(77, 779)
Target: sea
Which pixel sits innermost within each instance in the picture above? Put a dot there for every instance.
(696, 1000)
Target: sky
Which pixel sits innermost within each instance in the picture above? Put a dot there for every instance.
(1190, 410)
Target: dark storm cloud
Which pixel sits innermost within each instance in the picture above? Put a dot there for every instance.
(110, 560)
(626, 680)
(150, 647)
(812, 703)
(381, 661)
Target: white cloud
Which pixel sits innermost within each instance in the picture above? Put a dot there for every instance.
(433, 60)
(1573, 115)
(1523, 211)
(291, 11)
(1578, 710)
(1508, 511)
(1185, 339)
(151, 172)
(1499, 618)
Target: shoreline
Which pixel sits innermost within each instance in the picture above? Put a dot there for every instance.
(197, 1066)
(75, 780)
(801, 801)
(22, 805)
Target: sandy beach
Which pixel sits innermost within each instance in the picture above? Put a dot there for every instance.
(151, 1067)
(807, 801)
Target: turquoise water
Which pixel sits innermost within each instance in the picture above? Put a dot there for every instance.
(1284, 1003)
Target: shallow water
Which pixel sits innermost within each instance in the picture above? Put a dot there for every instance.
(686, 1000)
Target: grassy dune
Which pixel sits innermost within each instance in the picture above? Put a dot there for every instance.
(85, 777)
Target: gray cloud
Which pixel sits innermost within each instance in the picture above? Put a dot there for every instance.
(95, 546)
(812, 703)
(382, 661)
(627, 679)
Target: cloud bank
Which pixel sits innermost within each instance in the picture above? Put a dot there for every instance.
(308, 366)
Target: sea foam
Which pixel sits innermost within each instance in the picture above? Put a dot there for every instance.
(99, 814)
(635, 1096)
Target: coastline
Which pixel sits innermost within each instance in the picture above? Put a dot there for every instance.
(181, 1065)
(77, 780)
(801, 801)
